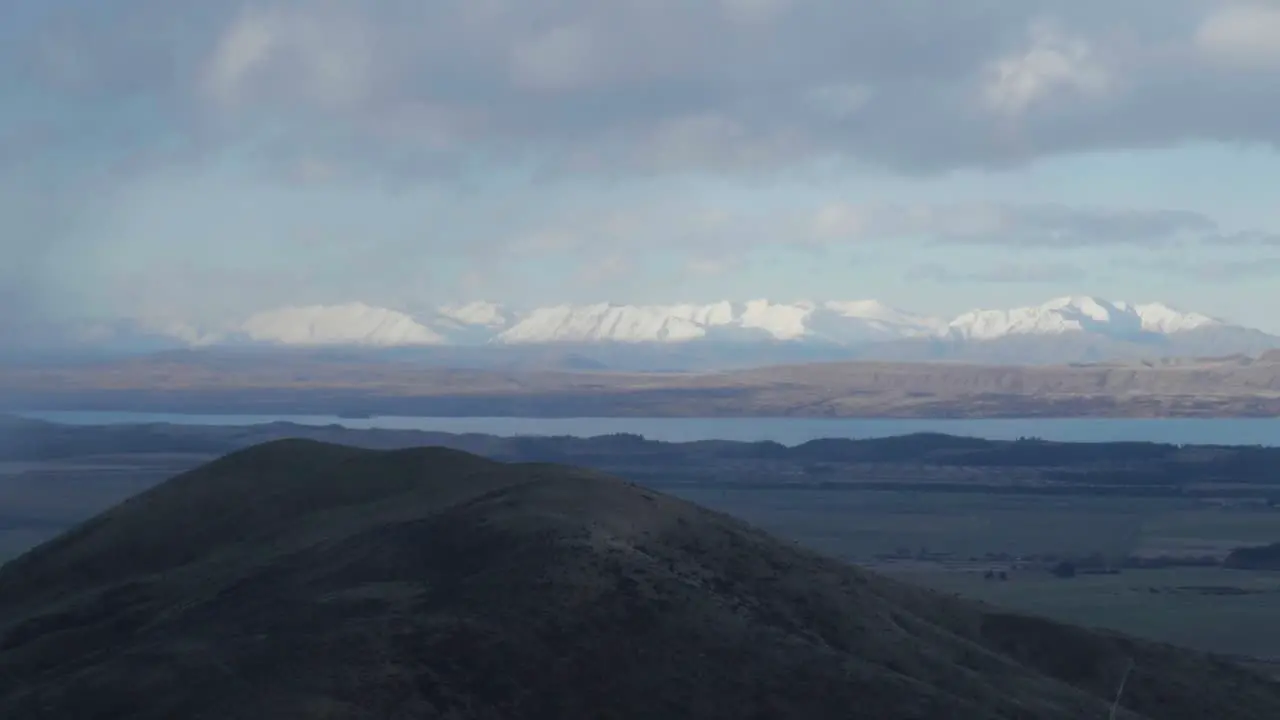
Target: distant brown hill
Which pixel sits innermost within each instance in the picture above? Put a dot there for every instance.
(297, 382)
(298, 579)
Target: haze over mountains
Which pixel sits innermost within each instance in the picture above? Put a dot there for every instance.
(1064, 329)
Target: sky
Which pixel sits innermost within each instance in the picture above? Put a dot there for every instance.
(199, 162)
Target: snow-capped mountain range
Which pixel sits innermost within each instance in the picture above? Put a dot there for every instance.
(1062, 329)
(831, 322)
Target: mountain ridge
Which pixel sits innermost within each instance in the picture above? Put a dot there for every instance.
(361, 323)
(1068, 328)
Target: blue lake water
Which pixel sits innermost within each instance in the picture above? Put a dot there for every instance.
(789, 431)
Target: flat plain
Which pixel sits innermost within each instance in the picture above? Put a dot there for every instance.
(301, 383)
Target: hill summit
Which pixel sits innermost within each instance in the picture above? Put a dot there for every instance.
(298, 579)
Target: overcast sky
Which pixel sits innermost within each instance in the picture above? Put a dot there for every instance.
(204, 160)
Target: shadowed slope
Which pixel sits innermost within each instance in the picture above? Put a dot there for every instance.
(303, 580)
(248, 495)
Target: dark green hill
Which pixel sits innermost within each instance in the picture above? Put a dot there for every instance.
(1263, 557)
(303, 580)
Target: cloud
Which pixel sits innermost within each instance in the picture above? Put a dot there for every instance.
(706, 232)
(754, 11)
(244, 48)
(1246, 238)
(562, 59)
(840, 100)
(1242, 35)
(634, 87)
(1001, 273)
(1230, 270)
(605, 271)
(1031, 226)
(1217, 270)
(707, 266)
(842, 221)
(1052, 63)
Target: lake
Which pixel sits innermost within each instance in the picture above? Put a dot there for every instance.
(789, 431)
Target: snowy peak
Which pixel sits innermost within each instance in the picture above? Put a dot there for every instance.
(781, 322)
(618, 323)
(482, 314)
(1160, 318)
(1076, 314)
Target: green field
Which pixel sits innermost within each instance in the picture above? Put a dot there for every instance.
(860, 525)
(1161, 604)
(1171, 605)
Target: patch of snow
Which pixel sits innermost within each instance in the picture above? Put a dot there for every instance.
(873, 320)
(780, 321)
(484, 314)
(618, 323)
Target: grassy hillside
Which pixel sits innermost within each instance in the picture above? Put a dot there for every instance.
(298, 579)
